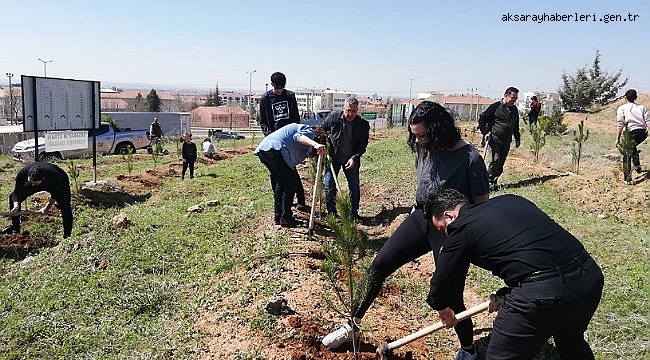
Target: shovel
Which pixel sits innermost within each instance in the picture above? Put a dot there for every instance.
(310, 231)
(386, 348)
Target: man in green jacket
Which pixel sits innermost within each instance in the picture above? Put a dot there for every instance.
(498, 124)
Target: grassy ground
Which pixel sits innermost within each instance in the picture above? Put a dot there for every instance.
(108, 293)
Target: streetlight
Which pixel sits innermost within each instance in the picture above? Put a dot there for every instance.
(44, 66)
(11, 100)
(410, 88)
(250, 83)
(250, 94)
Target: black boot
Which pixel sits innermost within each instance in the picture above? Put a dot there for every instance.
(11, 229)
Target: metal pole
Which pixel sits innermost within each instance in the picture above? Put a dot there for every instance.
(250, 94)
(44, 66)
(11, 101)
(410, 88)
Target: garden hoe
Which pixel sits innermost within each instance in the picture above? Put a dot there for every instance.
(386, 348)
(24, 212)
(310, 231)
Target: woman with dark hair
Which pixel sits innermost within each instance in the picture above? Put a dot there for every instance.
(635, 116)
(442, 160)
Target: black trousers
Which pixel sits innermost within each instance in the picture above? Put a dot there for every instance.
(560, 307)
(63, 204)
(190, 165)
(284, 181)
(414, 237)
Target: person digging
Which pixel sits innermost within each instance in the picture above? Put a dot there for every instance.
(37, 177)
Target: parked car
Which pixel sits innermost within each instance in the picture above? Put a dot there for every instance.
(109, 141)
(221, 135)
(315, 119)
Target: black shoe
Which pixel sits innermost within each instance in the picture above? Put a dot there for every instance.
(277, 221)
(637, 169)
(11, 229)
(289, 223)
(303, 208)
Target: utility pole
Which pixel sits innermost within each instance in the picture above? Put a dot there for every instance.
(11, 100)
(410, 88)
(44, 66)
(250, 95)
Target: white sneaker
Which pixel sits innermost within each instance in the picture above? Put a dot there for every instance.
(464, 355)
(343, 334)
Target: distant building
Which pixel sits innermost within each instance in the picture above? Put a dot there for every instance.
(222, 117)
(310, 100)
(466, 107)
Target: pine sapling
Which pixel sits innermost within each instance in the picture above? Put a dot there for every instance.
(128, 158)
(73, 172)
(579, 139)
(345, 255)
(538, 137)
(626, 148)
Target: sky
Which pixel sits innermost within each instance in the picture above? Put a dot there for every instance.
(388, 48)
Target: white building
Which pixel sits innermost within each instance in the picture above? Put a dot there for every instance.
(310, 100)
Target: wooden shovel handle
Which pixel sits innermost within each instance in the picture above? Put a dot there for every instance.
(435, 327)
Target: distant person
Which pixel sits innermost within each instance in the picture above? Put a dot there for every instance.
(189, 155)
(635, 116)
(442, 160)
(280, 152)
(533, 114)
(36, 177)
(208, 148)
(554, 285)
(155, 130)
(348, 135)
(498, 124)
(278, 107)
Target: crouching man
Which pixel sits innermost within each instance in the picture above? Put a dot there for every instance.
(36, 177)
(554, 285)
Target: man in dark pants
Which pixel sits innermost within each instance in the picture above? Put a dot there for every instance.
(36, 177)
(279, 107)
(348, 137)
(498, 124)
(533, 114)
(554, 285)
(280, 152)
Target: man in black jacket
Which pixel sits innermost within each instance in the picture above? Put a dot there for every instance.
(279, 107)
(554, 285)
(41, 176)
(498, 124)
(348, 135)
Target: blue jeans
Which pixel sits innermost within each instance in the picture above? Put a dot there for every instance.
(560, 307)
(352, 176)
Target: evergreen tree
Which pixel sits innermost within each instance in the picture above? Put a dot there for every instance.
(209, 100)
(153, 102)
(217, 99)
(589, 87)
